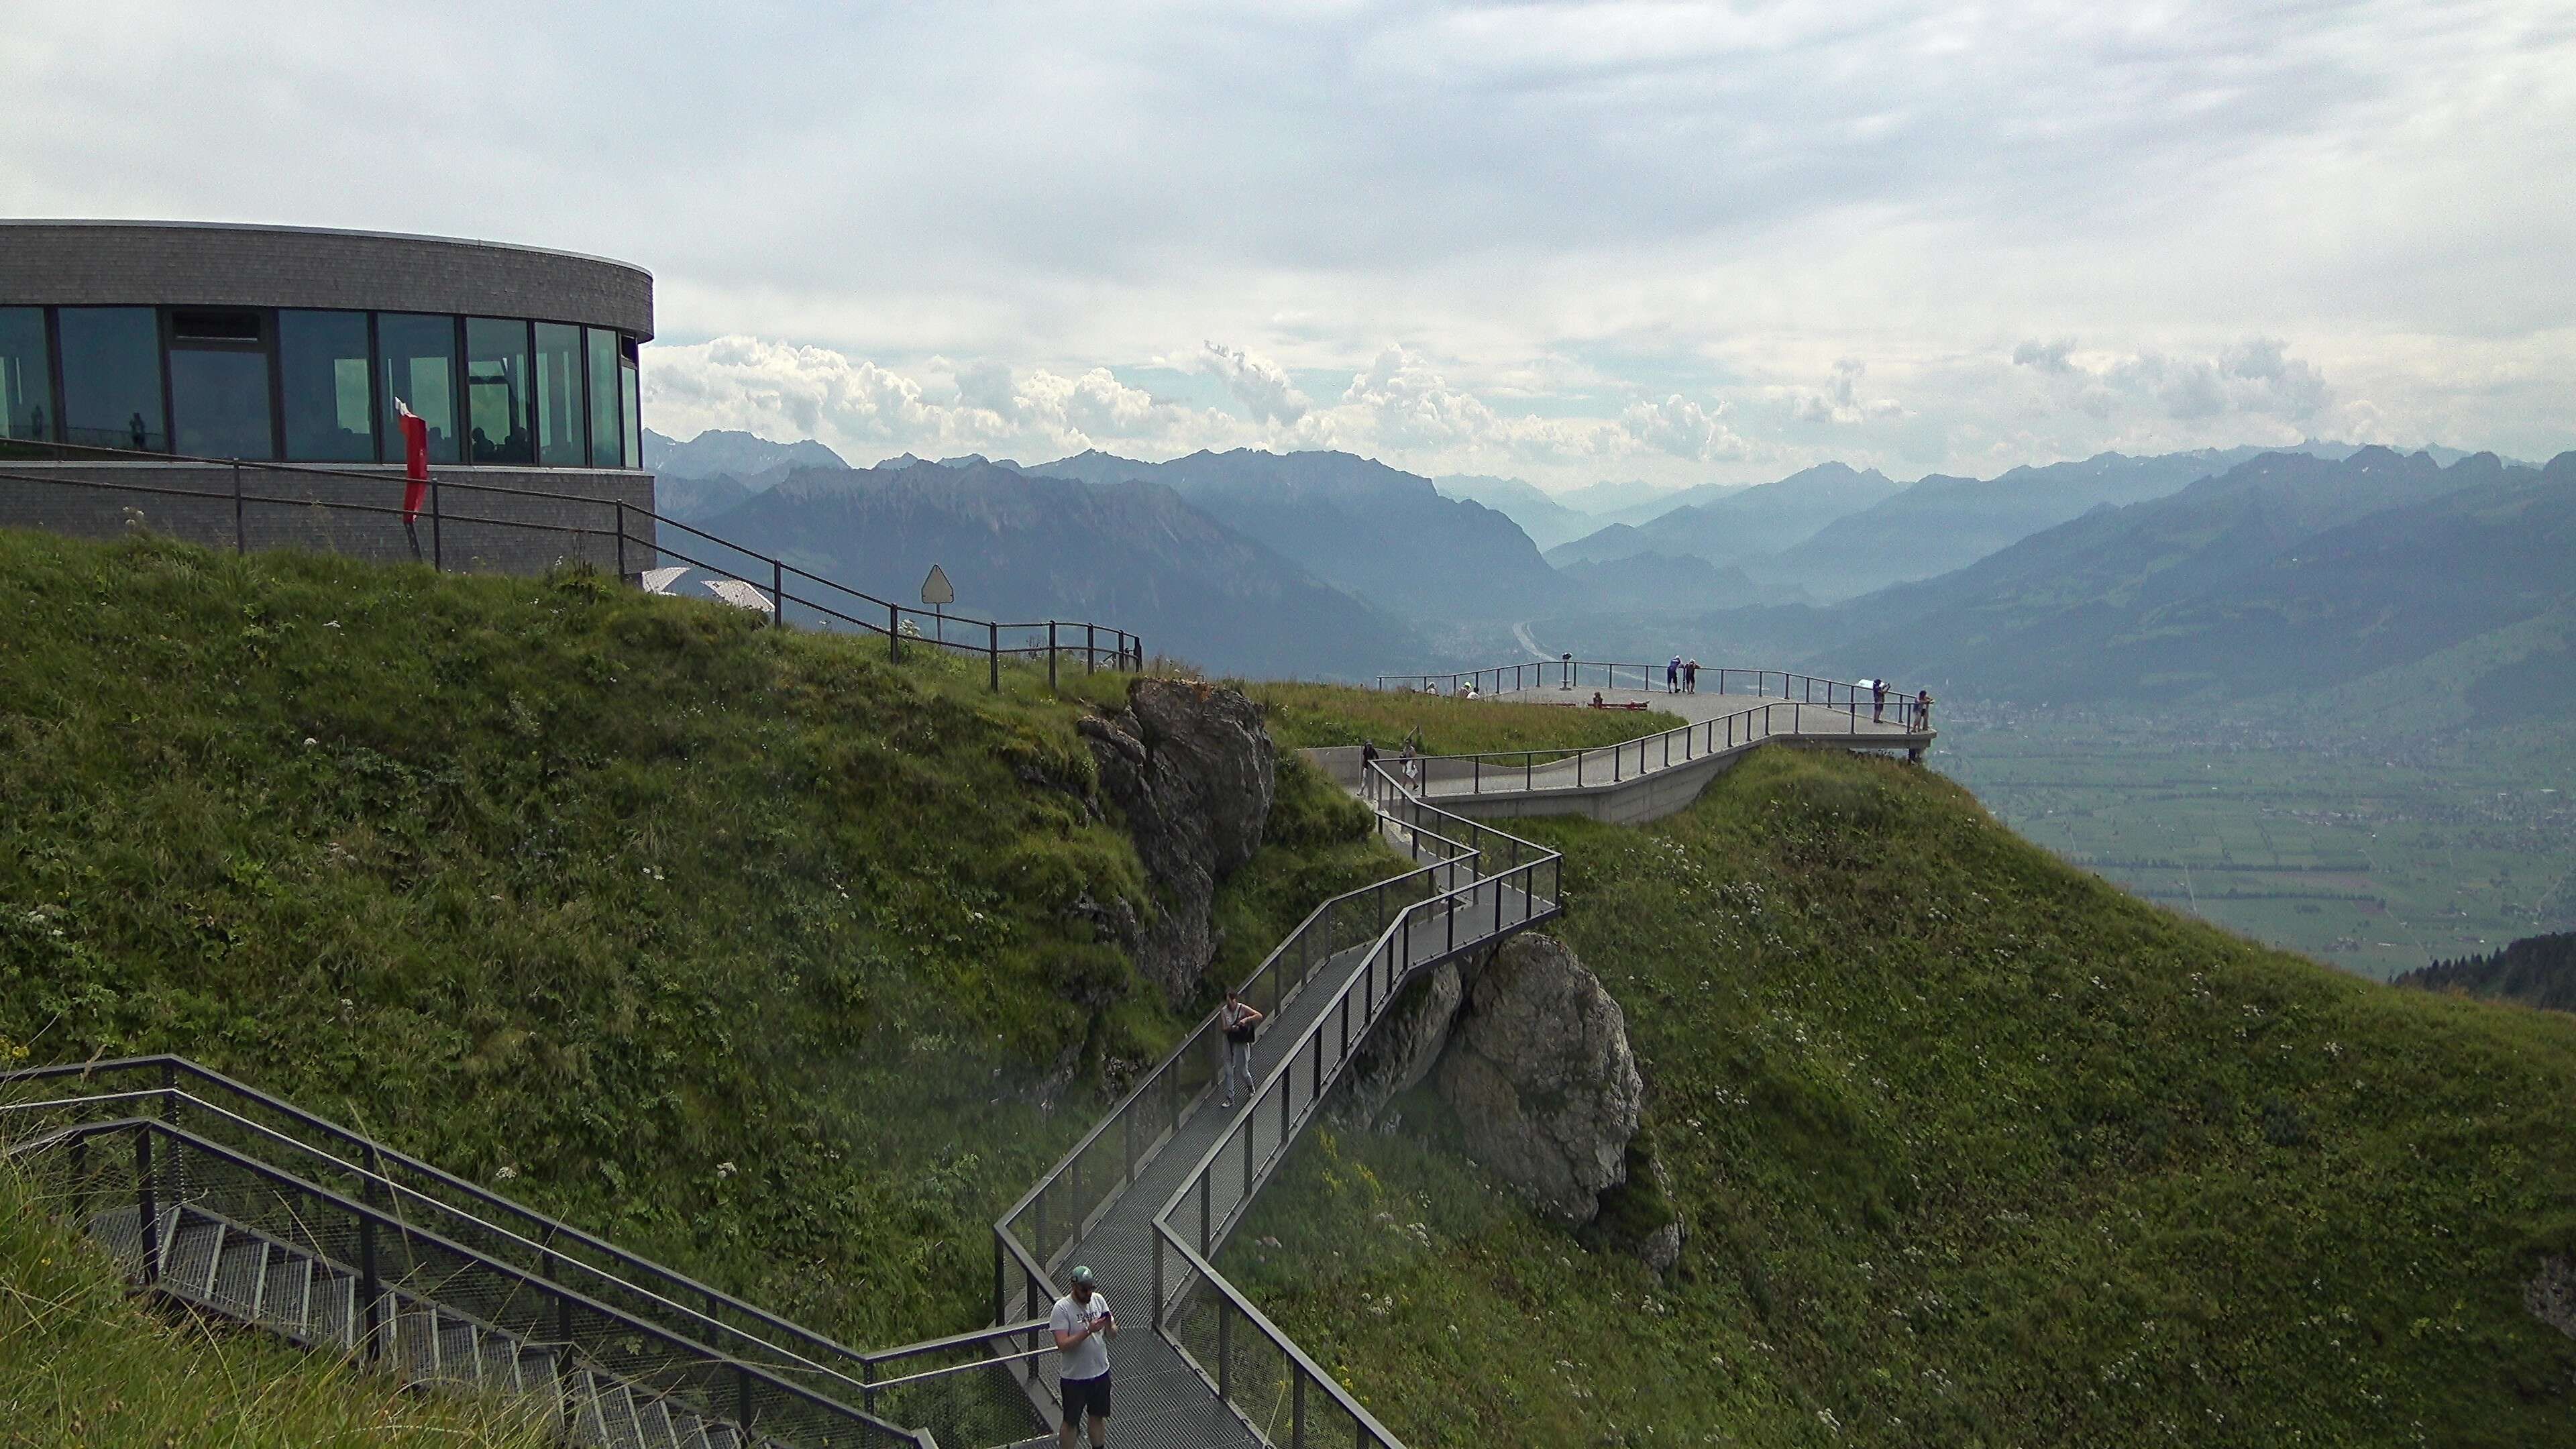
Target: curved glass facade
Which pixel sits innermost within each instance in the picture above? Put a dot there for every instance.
(317, 386)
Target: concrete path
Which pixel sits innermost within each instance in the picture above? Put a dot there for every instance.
(1161, 1402)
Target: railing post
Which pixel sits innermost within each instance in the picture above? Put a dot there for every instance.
(1090, 648)
(894, 633)
(1050, 656)
(1159, 1321)
(1204, 1181)
(742, 1397)
(777, 594)
(1129, 1118)
(147, 1204)
(1224, 1350)
(241, 538)
(370, 1285)
(437, 530)
(1297, 1412)
(993, 653)
(621, 539)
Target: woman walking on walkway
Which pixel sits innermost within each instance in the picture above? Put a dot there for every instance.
(1241, 1020)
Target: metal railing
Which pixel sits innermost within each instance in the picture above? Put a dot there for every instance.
(630, 536)
(1513, 772)
(1251, 1364)
(362, 1226)
(951, 1387)
(1574, 674)
(1033, 1238)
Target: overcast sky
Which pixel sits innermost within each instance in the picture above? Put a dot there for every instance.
(1684, 242)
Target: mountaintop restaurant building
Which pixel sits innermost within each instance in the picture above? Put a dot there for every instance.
(206, 343)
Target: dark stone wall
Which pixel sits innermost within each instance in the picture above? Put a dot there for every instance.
(472, 530)
(74, 263)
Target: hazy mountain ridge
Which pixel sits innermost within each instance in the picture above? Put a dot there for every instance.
(1742, 524)
(2289, 572)
(1016, 545)
(1378, 532)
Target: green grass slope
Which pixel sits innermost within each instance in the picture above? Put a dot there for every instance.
(82, 1364)
(1975, 1150)
(747, 948)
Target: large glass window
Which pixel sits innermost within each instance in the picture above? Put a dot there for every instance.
(26, 375)
(112, 378)
(219, 384)
(562, 428)
(497, 395)
(330, 408)
(634, 420)
(605, 391)
(416, 364)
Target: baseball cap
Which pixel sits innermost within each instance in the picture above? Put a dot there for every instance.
(1084, 1278)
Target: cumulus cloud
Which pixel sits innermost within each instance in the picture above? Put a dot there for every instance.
(1684, 429)
(1261, 385)
(1841, 400)
(2046, 356)
(2255, 376)
(784, 391)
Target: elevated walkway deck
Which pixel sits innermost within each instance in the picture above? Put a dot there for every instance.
(1643, 779)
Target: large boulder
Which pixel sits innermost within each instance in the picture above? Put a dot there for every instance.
(1406, 1043)
(1193, 772)
(1542, 1080)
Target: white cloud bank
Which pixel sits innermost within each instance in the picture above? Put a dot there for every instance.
(1567, 240)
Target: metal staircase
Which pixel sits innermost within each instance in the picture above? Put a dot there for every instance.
(343, 1255)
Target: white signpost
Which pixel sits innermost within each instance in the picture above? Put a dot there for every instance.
(938, 593)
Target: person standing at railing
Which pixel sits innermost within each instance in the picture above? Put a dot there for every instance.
(1242, 1022)
(1368, 761)
(1083, 1327)
(1690, 676)
(1878, 701)
(1673, 676)
(1922, 710)
(1412, 769)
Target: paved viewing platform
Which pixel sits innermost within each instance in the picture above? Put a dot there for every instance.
(1653, 776)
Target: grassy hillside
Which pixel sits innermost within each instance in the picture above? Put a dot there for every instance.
(748, 948)
(81, 1364)
(1976, 1151)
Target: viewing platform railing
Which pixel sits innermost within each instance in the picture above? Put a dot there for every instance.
(1571, 674)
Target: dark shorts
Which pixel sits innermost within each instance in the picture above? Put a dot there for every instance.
(1083, 1396)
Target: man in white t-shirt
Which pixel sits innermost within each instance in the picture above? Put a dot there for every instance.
(1083, 1325)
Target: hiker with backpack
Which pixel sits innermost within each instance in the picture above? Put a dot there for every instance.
(1242, 1021)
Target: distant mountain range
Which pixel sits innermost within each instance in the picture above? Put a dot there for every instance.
(720, 469)
(2329, 571)
(1021, 546)
(1740, 525)
(1385, 535)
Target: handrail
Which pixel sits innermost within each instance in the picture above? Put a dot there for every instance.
(1391, 960)
(1567, 674)
(549, 1234)
(167, 1187)
(898, 622)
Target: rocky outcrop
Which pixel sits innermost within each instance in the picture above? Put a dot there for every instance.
(1193, 772)
(1405, 1045)
(1542, 1080)
(2551, 1295)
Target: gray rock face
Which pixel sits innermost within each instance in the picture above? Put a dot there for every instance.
(1193, 771)
(1405, 1045)
(2551, 1295)
(1540, 1074)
